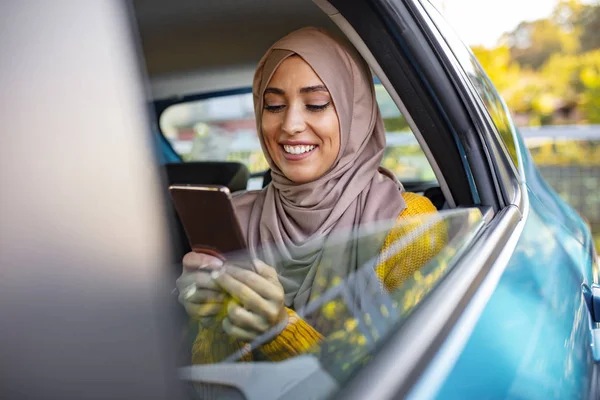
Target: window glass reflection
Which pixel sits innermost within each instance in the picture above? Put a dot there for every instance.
(493, 102)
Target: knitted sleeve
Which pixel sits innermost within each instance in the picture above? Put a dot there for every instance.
(418, 245)
(395, 266)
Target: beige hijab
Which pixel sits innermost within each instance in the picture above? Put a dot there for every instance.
(291, 226)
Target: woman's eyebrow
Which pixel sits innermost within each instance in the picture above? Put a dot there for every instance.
(274, 91)
(317, 88)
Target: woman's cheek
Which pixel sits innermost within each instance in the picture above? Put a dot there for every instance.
(329, 132)
(270, 139)
(269, 125)
(334, 132)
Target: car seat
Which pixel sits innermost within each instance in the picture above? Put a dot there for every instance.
(234, 175)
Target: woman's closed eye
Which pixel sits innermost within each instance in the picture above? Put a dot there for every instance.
(317, 107)
(274, 108)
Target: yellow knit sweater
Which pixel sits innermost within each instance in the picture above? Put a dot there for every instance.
(212, 345)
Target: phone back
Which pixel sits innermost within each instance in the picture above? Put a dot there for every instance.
(208, 218)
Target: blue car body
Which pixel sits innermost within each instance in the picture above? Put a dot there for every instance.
(533, 338)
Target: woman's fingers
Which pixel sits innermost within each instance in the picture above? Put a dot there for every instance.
(200, 296)
(199, 311)
(197, 279)
(241, 292)
(256, 282)
(266, 271)
(244, 319)
(192, 261)
(249, 299)
(238, 332)
(196, 273)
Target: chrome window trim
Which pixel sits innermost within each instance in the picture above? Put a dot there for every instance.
(364, 51)
(443, 362)
(436, 330)
(491, 137)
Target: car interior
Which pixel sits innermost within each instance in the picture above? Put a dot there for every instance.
(192, 55)
(200, 58)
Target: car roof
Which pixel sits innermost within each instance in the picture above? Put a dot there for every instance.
(192, 46)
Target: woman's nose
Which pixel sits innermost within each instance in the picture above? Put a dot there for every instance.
(293, 122)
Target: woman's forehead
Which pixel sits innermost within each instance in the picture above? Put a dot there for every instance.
(295, 73)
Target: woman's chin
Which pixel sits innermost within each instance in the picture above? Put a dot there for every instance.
(299, 178)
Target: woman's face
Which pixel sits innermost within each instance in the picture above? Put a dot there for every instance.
(300, 125)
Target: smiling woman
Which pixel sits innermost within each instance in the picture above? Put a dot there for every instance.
(361, 289)
(323, 136)
(300, 125)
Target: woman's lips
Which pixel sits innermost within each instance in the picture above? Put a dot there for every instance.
(297, 157)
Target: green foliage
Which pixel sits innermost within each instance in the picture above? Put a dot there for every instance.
(561, 72)
(408, 163)
(589, 22)
(550, 64)
(532, 43)
(498, 65)
(396, 124)
(561, 153)
(590, 77)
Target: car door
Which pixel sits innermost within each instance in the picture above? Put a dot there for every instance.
(433, 98)
(536, 302)
(521, 328)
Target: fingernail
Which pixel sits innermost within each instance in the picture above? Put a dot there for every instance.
(214, 263)
(215, 274)
(189, 291)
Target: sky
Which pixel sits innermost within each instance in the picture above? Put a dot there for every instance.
(482, 22)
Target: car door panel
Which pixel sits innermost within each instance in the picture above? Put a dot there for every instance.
(532, 340)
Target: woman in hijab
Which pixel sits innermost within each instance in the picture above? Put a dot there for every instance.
(323, 136)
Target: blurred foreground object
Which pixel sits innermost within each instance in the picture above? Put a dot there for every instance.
(81, 234)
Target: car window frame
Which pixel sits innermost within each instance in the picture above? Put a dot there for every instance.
(508, 174)
(423, 334)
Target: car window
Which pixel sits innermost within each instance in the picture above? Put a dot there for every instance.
(355, 314)
(223, 127)
(494, 104)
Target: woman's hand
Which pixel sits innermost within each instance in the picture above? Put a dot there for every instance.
(202, 298)
(259, 300)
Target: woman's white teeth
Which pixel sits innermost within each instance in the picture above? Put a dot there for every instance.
(297, 149)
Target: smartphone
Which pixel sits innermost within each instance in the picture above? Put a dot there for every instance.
(210, 223)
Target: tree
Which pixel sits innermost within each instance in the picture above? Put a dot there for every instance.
(532, 43)
(568, 14)
(562, 74)
(590, 26)
(498, 65)
(590, 77)
(546, 68)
